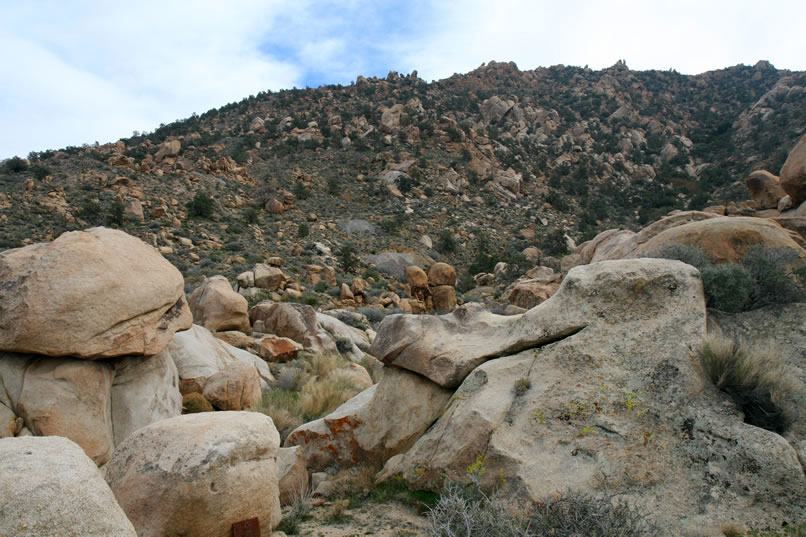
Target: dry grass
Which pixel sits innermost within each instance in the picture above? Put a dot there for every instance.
(755, 378)
(322, 396)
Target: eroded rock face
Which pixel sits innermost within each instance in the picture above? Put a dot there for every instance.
(296, 321)
(144, 390)
(199, 355)
(217, 307)
(292, 473)
(90, 294)
(618, 404)
(195, 475)
(96, 404)
(723, 239)
(765, 189)
(378, 423)
(49, 486)
(793, 173)
(235, 387)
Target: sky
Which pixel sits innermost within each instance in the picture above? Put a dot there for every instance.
(75, 72)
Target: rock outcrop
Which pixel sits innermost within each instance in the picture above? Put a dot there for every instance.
(765, 189)
(295, 321)
(49, 486)
(378, 423)
(235, 387)
(196, 475)
(618, 404)
(96, 404)
(198, 355)
(217, 307)
(793, 173)
(90, 294)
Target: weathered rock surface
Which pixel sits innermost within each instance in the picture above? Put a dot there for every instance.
(416, 277)
(49, 486)
(765, 189)
(441, 274)
(235, 387)
(296, 321)
(722, 239)
(144, 390)
(268, 277)
(378, 423)
(98, 293)
(391, 263)
(359, 340)
(96, 404)
(793, 173)
(528, 293)
(292, 474)
(217, 307)
(199, 355)
(195, 475)
(444, 298)
(277, 349)
(619, 404)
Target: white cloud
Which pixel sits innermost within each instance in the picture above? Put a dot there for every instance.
(76, 72)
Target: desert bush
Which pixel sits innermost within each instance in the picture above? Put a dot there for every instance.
(686, 253)
(201, 206)
(728, 287)
(373, 315)
(348, 257)
(754, 378)
(773, 284)
(284, 408)
(16, 165)
(344, 345)
(298, 512)
(578, 513)
(323, 397)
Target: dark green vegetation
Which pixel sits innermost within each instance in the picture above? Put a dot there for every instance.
(765, 276)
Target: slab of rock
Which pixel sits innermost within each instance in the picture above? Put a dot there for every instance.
(528, 293)
(277, 349)
(217, 307)
(195, 475)
(296, 321)
(765, 189)
(292, 474)
(268, 277)
(793, 173)
(359, 340)
(199, 355)
(236, 338)
(376, 424)
(49, 486)
(90, 294)
(235, 387)
(72, 398)
(391, 263)
(144, 390)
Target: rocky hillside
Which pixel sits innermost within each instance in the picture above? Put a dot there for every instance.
(469, 170)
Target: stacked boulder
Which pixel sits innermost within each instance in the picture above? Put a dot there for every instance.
(434, 291)
(85, 322)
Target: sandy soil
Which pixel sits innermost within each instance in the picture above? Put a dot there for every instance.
(378, 519)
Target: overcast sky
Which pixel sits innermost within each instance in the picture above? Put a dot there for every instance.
(75, 72)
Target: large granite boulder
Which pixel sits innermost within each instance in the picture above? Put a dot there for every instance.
(793, 173)
(765, 189)
(90, 294)
(378, 423)
(722, 239)
(295, 321)
(196, 475)
(198, 355)
(48, 486)
(235, 387)
(96, 404)
(618, 404)
(217, 307)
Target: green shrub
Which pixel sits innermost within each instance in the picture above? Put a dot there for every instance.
(251, 215)
(91, 212)
(16, 165)
(686, 253)
(754, 378)
(728, 287)
(446, 243)
(116, 214)
(773, 285)
(348, 257)
(201, 206)
(303, 229)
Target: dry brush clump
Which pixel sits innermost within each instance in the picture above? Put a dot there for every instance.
(305, 390)
(755, 379)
